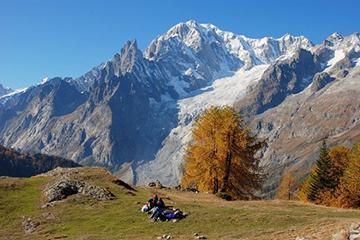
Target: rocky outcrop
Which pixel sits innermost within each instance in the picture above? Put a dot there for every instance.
(320, 80)
(278, 81)
(156, 184)
(65, 186)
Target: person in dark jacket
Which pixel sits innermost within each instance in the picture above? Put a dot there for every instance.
(152, 202)
(160, 203)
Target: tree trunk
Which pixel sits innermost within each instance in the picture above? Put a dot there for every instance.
(227, 171)
(216, 185)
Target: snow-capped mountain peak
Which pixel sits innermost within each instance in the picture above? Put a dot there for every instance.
(335, 37)
(151, 98)
(44, 80)
(4, 90)
(222, 48)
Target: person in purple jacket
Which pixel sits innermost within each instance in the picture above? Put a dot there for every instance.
(174, 214)
(163, 216)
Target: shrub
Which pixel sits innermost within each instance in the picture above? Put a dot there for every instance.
(224, 195)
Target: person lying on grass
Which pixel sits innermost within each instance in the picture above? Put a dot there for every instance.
(166, 215)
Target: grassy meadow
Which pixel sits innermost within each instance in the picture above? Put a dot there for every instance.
(82, 217)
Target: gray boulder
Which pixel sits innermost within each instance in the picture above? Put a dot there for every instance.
(65, 187)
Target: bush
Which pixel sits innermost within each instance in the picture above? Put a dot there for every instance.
(224, 195)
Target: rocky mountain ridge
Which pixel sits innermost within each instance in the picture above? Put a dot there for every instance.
(4, 90)
(133, 114)
(326, 108)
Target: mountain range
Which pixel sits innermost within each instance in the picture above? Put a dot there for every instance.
(133, 114)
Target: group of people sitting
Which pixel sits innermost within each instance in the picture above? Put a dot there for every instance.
(156, 207)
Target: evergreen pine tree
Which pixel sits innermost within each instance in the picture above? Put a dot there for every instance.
(319, 178)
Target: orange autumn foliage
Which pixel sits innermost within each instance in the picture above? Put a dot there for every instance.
(288, 186)
(221, 157)
(347, 194)
(344, 174)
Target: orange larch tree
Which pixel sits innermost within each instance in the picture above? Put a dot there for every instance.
(348, 192)
(288, 186)
(221, 157)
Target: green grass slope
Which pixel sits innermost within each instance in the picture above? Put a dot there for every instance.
(83, 217)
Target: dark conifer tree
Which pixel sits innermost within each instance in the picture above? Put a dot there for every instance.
(319, 178)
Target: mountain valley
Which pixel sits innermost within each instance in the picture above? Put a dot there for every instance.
(133, 114)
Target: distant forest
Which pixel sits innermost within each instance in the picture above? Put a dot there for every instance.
(15, 164)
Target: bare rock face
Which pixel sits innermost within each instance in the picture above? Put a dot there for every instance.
(320, 80)
(278, 81)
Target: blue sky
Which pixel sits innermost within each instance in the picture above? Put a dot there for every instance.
(66, 38)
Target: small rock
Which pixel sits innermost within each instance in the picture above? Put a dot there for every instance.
(51, 204)
(165, 237)
(30, 230)
(354, 237)
(151, 184)
(197, 236)
(354, 226)
(352, 233)
(302, 238)
(29, 225)
(49, 216)
(158, 184)
(60, 237)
